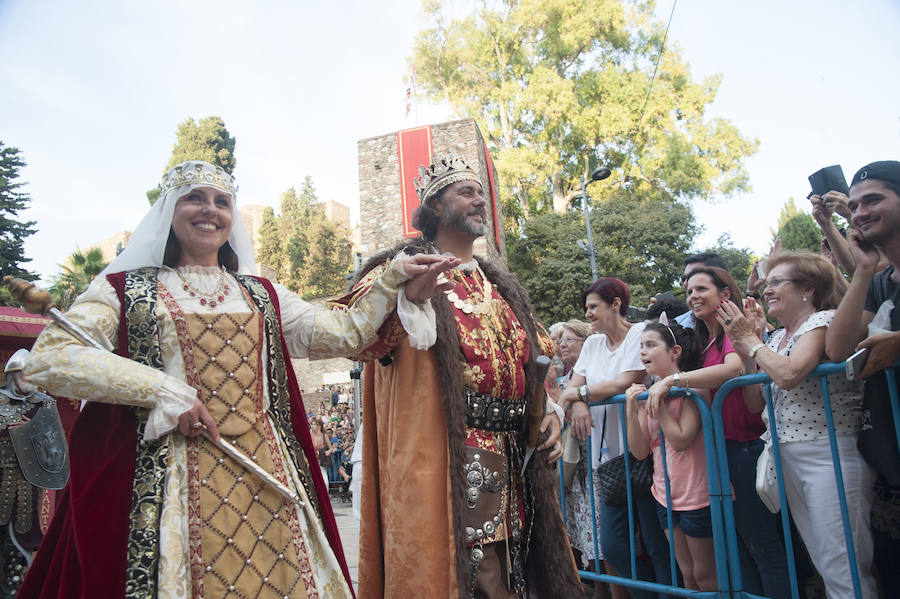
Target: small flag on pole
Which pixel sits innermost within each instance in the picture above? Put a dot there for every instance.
(410, 88)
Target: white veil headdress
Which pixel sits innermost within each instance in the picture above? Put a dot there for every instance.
(148, 243)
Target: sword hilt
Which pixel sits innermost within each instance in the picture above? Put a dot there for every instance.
(32, 298)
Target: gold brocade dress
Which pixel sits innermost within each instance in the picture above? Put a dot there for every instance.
(245, 538)
(221, 532)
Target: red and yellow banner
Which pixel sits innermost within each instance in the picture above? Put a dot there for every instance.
(414, 149)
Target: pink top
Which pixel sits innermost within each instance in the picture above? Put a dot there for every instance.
(740, 423)
(687, 469)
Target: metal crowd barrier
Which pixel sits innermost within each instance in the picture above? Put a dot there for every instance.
(333, 470)
(728, 570)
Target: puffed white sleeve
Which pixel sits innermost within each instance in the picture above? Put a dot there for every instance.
(329, 330)
(551, 407)
(63, 366)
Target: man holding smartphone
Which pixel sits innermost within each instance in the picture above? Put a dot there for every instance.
(875, 208)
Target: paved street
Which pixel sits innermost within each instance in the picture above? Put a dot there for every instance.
(343, 514)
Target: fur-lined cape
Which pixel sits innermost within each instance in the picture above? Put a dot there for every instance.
(550, 565)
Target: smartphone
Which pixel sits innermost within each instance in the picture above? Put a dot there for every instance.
(830, 178)
(856, 363)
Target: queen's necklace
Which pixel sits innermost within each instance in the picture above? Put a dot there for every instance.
(211, 299)
(470, 307)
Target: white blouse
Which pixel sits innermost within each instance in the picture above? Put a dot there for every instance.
(800, 412)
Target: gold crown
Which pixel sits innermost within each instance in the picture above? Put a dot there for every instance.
(441, 173)
(196, 172)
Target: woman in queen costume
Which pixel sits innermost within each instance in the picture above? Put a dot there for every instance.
(153, 508)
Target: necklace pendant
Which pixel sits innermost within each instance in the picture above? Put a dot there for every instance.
(202, 301)
(452, 297)
(467, 308)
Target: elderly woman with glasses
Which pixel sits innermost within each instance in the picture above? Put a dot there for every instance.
(799, 291)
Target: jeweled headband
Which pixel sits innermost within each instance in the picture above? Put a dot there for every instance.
(196, 172)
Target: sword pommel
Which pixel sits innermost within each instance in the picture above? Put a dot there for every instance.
(32, 298)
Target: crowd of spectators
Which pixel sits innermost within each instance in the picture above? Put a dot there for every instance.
(333, 429)
(797, 309)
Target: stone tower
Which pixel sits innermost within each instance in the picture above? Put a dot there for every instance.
(387, 196)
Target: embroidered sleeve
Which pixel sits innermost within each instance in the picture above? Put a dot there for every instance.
(345, 327)
(546, 347)
(65, 367)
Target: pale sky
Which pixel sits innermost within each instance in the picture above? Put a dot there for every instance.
(91, 92)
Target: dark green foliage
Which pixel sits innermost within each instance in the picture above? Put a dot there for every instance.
(641, 241)
(800, 232)
(76, 275)
(13, 231)
(309, 253)
(207, 140)
(552, 82)
(739, 260)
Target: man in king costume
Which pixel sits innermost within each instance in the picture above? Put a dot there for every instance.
(448, 411)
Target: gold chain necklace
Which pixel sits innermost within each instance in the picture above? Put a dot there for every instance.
(207, 299)
(468, 306)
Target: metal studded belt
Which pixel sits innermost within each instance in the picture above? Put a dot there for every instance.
(494, 414)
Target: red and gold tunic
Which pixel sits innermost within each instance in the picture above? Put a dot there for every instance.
(496, 350)
(417, 517)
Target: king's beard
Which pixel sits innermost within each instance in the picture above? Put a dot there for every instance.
(460, 221)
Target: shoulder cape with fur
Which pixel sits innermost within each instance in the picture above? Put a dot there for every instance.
(550, 568)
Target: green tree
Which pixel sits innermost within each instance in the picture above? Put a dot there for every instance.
(207, 140)
(552, 82)
(13, 230)
(12, 201)
(81, 268)
(800, 232)
(797, 229)
(309, 253)
(739, 260)
(639, 240)
(269, 252)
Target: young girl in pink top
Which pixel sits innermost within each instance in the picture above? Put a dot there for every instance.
(667, 350)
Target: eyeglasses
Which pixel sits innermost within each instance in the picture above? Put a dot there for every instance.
(776, 281)
(570, 339)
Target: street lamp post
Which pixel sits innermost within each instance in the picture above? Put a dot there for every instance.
(599, 174)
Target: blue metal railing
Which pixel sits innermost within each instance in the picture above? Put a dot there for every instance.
(725, 540)
(715, 511)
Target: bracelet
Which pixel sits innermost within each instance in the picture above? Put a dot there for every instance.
(753, 350)
(584, 394)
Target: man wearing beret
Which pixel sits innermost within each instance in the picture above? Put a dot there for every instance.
(875, 215)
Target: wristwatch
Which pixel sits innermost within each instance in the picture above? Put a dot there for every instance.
(754, 349)
(677, 378)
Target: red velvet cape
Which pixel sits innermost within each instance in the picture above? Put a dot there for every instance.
(83, 553)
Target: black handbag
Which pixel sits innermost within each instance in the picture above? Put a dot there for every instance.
(877, 440)
(613, 487)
